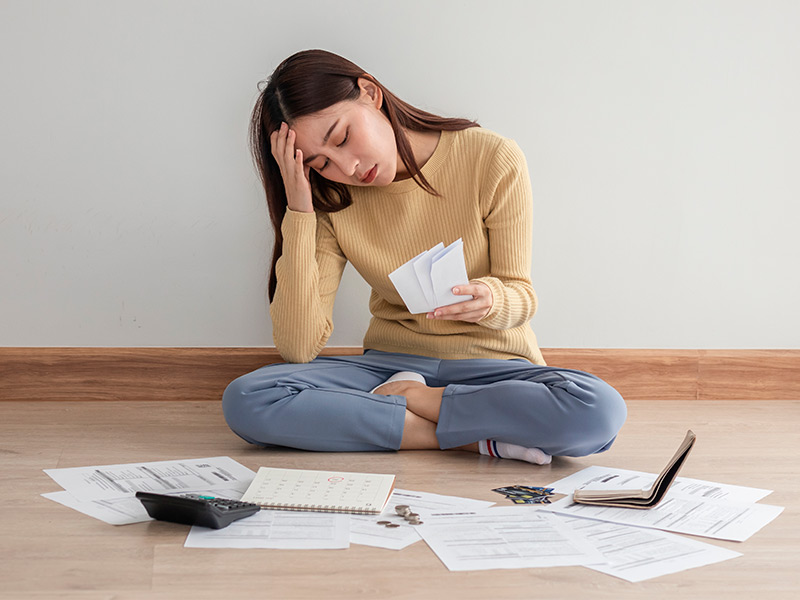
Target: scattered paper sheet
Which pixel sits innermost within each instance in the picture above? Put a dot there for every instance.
(129, 509)
(706, 518)
(107, 492)
(635, 554)
(426, 281)
(364, 529)
(508, 537)
(163, 477)
(281, 529)
(609, 478)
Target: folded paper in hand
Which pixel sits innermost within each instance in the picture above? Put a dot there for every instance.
(646, 498)
(426, 281)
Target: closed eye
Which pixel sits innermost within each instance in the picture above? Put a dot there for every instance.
(346, 135)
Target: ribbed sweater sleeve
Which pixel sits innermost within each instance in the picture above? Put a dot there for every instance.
(308, 274)
(506, 203)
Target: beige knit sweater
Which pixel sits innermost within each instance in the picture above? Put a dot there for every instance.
(487, 202)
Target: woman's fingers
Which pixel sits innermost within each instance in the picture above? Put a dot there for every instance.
(278, 144)
(472, 310)
(289, 149)
(470, 317)
(282, 142)
(294, 173)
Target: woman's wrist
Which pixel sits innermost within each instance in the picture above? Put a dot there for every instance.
(300, 210)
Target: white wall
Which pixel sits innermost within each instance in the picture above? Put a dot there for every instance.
(662, 137)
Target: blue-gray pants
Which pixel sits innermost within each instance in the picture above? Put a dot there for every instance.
(326, 405)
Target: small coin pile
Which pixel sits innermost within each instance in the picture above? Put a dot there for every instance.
(523, 494)
(404, 511)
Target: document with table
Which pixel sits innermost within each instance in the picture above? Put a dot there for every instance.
(506, 537)
(636, 554)
(106, 492)
(279, 529)
(692, 506)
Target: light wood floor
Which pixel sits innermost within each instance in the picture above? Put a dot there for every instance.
(47, 550)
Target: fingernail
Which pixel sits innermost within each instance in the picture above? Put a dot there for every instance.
(455, 290)
(429, 315)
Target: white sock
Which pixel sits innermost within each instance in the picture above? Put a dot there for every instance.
(504, 450)
(401, 376)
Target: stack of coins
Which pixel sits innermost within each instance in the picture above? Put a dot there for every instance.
(405, 511)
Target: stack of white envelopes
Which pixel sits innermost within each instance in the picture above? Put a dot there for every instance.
(426, 281)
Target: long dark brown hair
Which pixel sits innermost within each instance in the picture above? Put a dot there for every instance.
(310, 81)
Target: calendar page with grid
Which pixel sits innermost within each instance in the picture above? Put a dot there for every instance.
(336, 491)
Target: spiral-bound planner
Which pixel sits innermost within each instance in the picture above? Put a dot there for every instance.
(325, 491)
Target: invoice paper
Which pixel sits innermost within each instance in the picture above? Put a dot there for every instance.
(707, 518)
(507, 537)
(107, 492)
(364, 529)
(609, 478)
(635, 554)
(129, 509)
(162, 477)
(282, 529)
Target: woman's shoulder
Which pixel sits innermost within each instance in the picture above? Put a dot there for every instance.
(480, 136)
(487, 146)
(485, 141)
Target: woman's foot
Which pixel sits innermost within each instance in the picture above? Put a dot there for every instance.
(503, 450)
(420, 399)
(400, 376)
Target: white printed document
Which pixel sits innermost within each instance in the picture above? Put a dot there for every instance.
(426, 281)
(707, 518)
(107, 492)
(282, 529)
(507, 537)
(129, 509)
(161, 477)
(365, 529)
(635, 554)
(610, 478)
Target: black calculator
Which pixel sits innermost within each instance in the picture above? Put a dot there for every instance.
(195, 509)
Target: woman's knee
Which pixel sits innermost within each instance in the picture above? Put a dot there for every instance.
(599, 416)
(235, 407)
(245, 406)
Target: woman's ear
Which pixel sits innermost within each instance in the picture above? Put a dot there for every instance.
(370, 91)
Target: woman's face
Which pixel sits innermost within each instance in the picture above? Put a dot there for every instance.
(345, 141)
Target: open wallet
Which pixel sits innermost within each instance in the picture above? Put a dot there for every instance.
(646, 498)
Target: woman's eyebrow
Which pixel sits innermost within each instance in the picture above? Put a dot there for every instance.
(324, 141)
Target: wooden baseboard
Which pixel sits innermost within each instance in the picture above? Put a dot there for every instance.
(203, 373)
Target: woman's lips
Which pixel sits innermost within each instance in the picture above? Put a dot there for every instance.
(370, 176)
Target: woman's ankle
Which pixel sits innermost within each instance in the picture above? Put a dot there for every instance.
(418, 433)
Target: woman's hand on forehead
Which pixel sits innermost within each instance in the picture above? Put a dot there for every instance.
(294, 173)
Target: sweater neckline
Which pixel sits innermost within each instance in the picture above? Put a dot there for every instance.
(428, 169)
